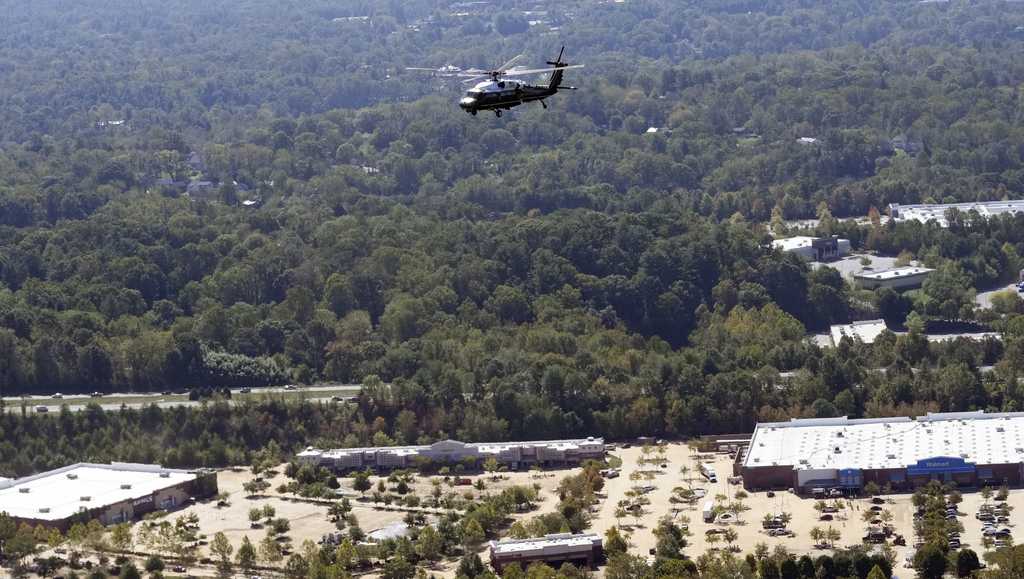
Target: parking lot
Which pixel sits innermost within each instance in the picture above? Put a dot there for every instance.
(848, 518)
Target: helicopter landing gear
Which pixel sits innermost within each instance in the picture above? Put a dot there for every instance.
(497, 113)
(543, 104)
(472, 113)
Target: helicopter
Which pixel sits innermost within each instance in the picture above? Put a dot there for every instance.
(497, 92)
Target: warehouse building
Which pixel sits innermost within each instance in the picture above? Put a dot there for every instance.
(936, 212)
(866, 331)
(110, 493)
(814, 248)
(583, 550)
(898, 278)
(514, 455)
(963, 448)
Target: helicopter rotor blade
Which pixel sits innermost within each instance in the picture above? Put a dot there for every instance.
(508, 64)
(540, 70)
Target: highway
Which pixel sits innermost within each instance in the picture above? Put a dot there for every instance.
(116, 401)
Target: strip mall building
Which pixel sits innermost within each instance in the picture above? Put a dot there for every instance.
(967, 449)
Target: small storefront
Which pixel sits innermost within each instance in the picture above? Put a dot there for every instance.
(943, 469)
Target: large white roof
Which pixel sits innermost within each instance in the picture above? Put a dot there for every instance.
(557, 543)
(877, 443)
(893, 273)
(867, 330)
(452, 445)
(937, 211)
(58, 494)
(791, 243)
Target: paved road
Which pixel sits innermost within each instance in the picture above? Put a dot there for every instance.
(984, 299)
(77, 403)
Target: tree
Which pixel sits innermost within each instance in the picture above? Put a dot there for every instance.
(614, 543)
(429, 544)
(297, 567)
(270, 550)
(361, 481)
(966, 563)
(220, 547)
(154, 564)
(121, 537)
(471, 566)
(129, 571)
(472, 534)
(397, 567)
(246, 556)
(930, 562)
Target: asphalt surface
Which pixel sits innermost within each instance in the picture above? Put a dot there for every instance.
(984, 299)
(79, 402)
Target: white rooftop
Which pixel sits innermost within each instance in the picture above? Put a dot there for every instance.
(791, 243)
(937, 211)
(561, 541)
(876, 443)
(452, 445)
(58, 494)
(867, 331)
(893, 273)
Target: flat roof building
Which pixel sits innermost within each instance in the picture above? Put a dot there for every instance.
(895, 278)
(962, 448)
(936, 212)
(581, 550)
(111, 493)
(866, 331)
(813, 248)
(514, 455)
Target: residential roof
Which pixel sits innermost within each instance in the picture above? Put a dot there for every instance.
(867, 331)
(58, 494)
(894, 273)
(879, 443)
(558, 543)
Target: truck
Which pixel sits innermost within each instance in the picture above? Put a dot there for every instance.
(709, 511)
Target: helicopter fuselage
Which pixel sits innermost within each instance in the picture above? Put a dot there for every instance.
(502, 94)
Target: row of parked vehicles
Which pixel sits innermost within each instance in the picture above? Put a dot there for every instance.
(991, 517)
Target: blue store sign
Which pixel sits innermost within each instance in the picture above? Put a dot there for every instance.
(940, 465)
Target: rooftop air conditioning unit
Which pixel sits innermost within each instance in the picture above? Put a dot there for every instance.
(126, 486)
(1000, 429)
(891, 456)
(838, 450)
(72, 476)
(44, 510)
(165, 475)
(24, 490)
(85, 499)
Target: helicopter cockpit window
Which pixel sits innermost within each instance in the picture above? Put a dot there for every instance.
(501, 84)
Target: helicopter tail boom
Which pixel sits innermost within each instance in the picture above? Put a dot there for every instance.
(556, 75)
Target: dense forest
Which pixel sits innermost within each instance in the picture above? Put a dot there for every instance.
(253, 193)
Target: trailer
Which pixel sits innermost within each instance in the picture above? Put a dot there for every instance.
(709, 511)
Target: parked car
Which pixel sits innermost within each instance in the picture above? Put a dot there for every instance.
(42, 409)
(245, 390)
(96, 395)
